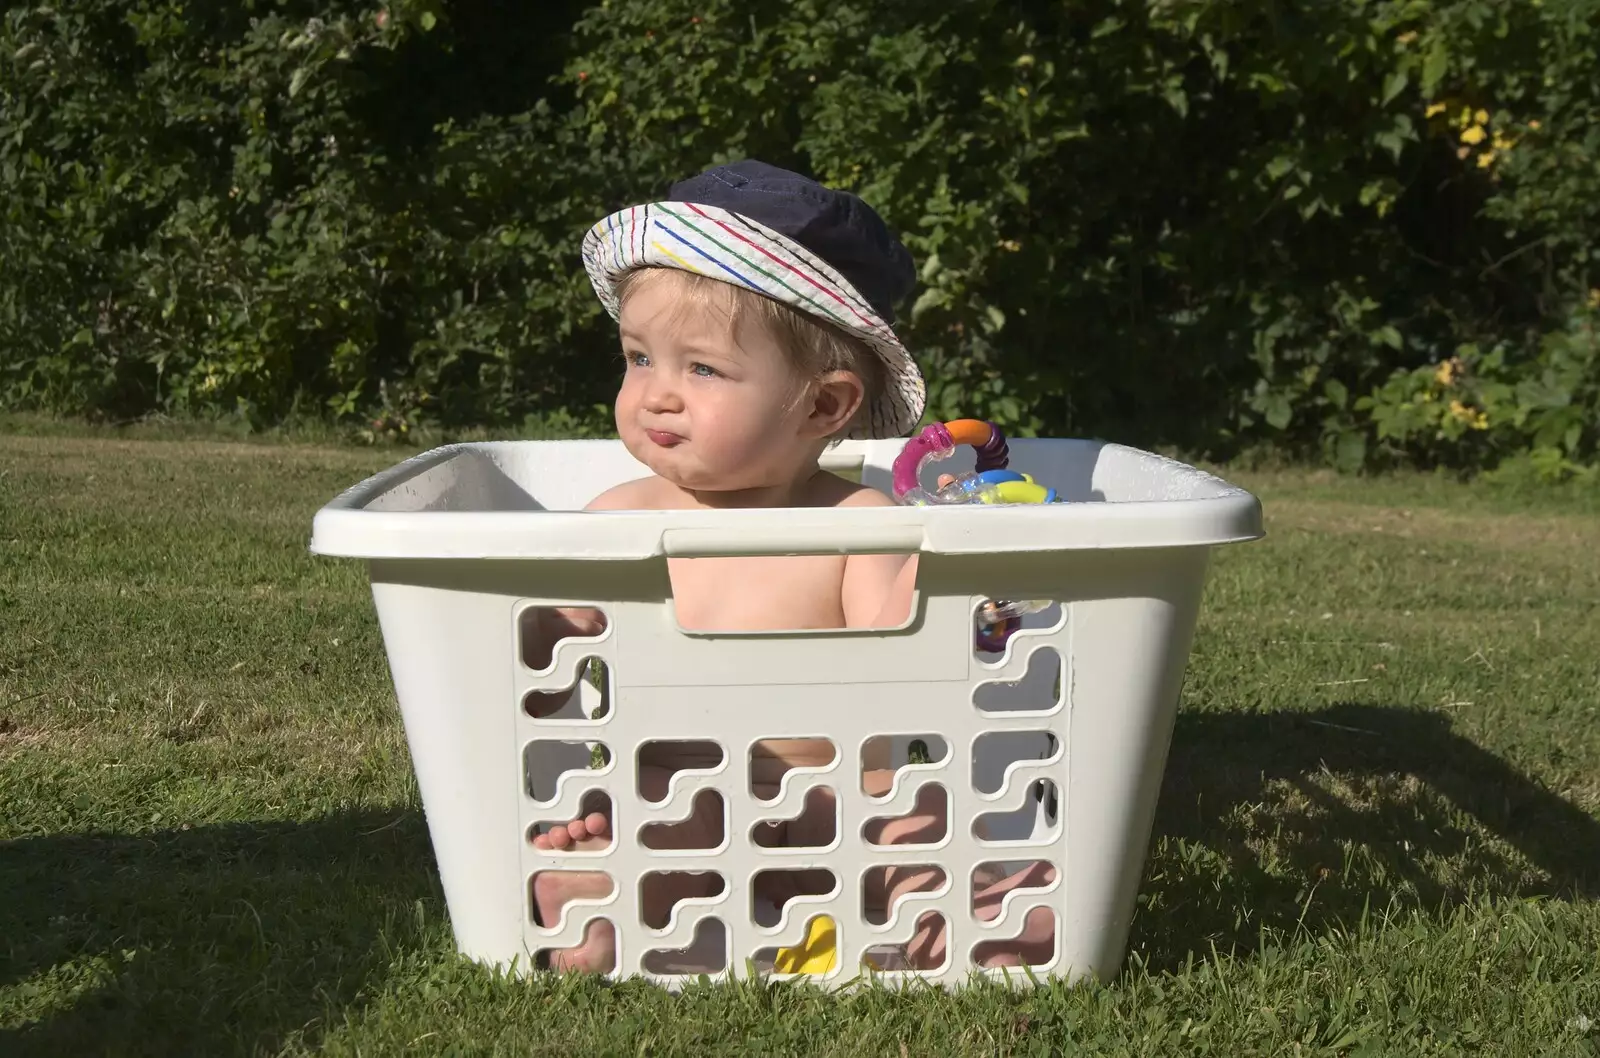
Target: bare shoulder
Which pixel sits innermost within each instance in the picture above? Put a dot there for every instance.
(830, 490)
(641, 494)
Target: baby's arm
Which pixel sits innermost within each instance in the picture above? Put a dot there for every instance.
(877, 589)
(582, 622)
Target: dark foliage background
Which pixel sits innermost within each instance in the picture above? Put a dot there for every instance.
(1360, 230)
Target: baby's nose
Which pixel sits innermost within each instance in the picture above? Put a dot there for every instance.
(662, 394)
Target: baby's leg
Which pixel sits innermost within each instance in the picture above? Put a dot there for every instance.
(770, 761)
(927, 822)
(1037, 941)
(553, 890)
(812, 828)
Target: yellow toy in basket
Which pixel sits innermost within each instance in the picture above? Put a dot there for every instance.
(817, 954)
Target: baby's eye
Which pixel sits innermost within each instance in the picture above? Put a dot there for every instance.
(703, 370)
(636, 359)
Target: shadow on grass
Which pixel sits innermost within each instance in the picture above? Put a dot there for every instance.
(220, 939)
(245, 936)
(1280, 820)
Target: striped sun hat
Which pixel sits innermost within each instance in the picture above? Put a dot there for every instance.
(825, 252)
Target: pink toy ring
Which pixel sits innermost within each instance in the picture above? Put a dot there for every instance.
(938, 441)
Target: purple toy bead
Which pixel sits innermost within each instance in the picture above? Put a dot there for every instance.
(995, 453)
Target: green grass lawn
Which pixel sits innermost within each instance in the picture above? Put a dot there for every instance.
(1379, 832)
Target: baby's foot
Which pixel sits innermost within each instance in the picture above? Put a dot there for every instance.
(553, 890)
(592, 831)
(598, 952)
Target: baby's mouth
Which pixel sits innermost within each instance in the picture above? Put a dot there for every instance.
(664, 438)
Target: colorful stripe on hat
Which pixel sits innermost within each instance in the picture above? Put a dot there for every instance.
(730, 248)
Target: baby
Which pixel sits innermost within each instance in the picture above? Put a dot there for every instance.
(755, 308)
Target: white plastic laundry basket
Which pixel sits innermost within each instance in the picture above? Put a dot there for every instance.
(1058, 744)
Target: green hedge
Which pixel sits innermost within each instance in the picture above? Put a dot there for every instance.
(1359, 229)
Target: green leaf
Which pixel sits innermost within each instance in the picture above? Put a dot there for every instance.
(427, 21)
(1350, 452)
(1434, 67)
(931, 298)
(1178, 99)
(1394, 84)
(1392, 141)
(1279, 414)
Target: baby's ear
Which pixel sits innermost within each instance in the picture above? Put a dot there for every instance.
(834, 400)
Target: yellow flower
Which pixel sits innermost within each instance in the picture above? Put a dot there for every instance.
(1486, 159)
(1406, 37)
(1473, 135)
(1534, 125)
(1434, 110)
(1481, 117)
(1466, 116)
(1447, 371)
(1594, 298)
(1502, 142)
(1472, 417)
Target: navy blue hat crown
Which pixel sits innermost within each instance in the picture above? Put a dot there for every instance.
(837, 226)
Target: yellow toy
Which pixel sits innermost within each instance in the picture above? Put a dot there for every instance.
(817, 954)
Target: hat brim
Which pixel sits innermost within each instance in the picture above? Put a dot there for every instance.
(732, 248)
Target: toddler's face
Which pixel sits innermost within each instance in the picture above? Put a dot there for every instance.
(702, 407)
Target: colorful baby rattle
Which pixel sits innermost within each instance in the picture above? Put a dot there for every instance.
(989, 482)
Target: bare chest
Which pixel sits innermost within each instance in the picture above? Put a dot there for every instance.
(757, 594)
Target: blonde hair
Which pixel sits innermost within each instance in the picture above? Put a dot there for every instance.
(814, 347)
